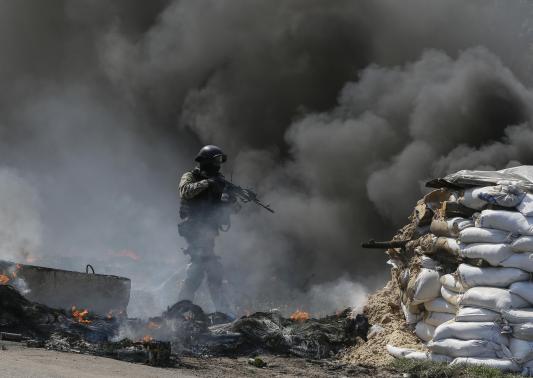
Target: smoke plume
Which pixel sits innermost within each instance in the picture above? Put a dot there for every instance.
(335, 112)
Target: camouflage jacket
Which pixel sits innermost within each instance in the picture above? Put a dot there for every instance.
(190, 186)
(198, 199)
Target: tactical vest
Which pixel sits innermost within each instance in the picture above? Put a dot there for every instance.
(203, 205)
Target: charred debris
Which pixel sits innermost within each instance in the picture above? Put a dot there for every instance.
(183, 330)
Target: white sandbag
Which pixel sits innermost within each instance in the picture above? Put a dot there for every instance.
(465, 348)
(502, 195)
(511, 221)
(484, 235)
(495, 363)
(410, 317)
(439, 357)
(435, 319)
(451, 282)
(488, 331)
(415, 354)
(524, 315)
(524, 289)
(428, 262)
(424, 331)
(522, 261)
(523, 331)
(451, 297)
(398, 352)
(526, 205)
(426, 287)
(472, 276)
(445, 246)
(450, 227)
(494, 254)
(440, 305)
(521, 350)
(492, 299)
(460, 224)
(523, 244)
(470, 198)
(475, 314)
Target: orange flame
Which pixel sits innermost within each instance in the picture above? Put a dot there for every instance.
(128, 253)
(147, 339)
(153, 325)
(80, 316)
(5, 279)
(300, 316)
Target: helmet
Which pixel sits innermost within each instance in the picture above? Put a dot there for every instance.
(211, 153)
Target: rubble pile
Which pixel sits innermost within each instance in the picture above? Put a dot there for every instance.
(183, 330)
(191, 332)
(462, 268)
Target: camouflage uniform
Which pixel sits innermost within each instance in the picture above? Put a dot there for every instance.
(203, 213)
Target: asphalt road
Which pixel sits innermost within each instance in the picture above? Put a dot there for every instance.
(19, 361)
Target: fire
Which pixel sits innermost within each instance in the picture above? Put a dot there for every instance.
(300, 316)
(80, 316)
(5, 279)
(128, 253)
(147, 339)
(153, 325)
(31, 259)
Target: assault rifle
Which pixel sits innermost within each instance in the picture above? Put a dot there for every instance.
(385, 245)
(245, 195)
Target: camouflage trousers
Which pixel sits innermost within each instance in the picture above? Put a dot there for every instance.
(204, 264)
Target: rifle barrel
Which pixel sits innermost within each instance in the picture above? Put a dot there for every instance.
(385, 244)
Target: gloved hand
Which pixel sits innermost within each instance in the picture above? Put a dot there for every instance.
(216, 185)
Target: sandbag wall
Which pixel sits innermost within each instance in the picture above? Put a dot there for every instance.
(466, 276)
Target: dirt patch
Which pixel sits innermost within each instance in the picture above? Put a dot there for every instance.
(222, 367)
(383, 311)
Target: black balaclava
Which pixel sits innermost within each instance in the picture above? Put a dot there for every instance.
(211, 168)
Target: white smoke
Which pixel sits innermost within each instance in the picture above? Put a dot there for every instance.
(20, 222)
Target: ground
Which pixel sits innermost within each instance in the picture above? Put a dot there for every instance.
(20, 361)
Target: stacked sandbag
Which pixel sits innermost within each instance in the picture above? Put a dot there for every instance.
(478, 241)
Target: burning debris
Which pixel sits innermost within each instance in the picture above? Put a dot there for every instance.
(183, 330)
(192, 332)
(80, 316)
(300, 315)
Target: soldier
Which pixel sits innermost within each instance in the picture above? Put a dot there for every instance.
(204, 211)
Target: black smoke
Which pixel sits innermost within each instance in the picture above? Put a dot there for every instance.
(336, 112)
